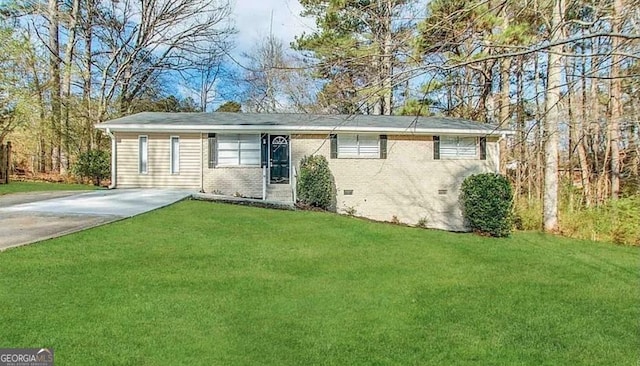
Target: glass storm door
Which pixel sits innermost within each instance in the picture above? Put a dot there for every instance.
(279, 159)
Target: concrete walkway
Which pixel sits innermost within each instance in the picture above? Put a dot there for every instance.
(28, 218)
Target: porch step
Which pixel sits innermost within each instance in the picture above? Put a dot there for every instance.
(280, 193)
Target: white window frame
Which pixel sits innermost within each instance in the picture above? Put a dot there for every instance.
(359, 152)
(460, 151)
(143, 157)
(224, 139)
(174, 168)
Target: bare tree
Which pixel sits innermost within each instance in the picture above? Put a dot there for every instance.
(552, 119)
(54, 82)
(205, 74)
(142, 39)
(615, 102)
(66, 81)
(264, 75)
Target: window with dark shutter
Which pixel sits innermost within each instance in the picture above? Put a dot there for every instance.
(264, 141)
(334, 146)
(212, 150)
(483, 148)
(436, 147)
(383, 146)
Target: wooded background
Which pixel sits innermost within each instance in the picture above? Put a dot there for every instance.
(563, 74)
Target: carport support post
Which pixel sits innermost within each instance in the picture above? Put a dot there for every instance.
(114, 160)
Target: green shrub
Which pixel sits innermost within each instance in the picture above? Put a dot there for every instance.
(315, 186)
(626, 216)
(93, 164)
(486, 203)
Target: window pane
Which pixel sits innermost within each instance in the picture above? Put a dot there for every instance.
(467, 147)
(227, 145)
(228, 155)
(250, 142)
(227, 161)
(467, 152)
(458, 147)
(236, 150)
(175, 155)
(448, 141)
(369, 146)
(347, 146)
(212, 152)
(142, 154)
(250, 157)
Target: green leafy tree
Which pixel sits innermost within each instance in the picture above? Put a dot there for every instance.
(230, 106)
(93, 164)
(358, 45)
(13, 96)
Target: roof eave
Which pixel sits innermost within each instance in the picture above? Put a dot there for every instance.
(300, 129)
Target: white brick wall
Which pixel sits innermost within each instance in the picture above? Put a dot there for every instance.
(405, 185)
(244, 181)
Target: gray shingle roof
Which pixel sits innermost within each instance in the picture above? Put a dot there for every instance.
(296, 122)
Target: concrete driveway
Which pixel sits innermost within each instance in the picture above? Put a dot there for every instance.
(31, 217)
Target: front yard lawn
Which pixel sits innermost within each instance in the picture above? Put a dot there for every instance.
(200, 283)
(18, 187)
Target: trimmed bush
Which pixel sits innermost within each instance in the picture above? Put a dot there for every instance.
(486, 204)
(93, 164)
(314, 182)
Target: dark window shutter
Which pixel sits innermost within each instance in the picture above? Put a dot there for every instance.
(334, 146)
(436, 147)
(264, 153)
(212, 150)
(483, 148)
(383, 146)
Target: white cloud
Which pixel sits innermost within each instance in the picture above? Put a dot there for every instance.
(253, 22)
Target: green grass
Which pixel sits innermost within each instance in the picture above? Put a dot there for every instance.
(207, 284)
(17, 187)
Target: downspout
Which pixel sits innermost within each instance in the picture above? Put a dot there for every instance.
(114, 160)
(202, 162)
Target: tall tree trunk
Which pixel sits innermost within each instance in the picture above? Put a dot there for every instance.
(375, 96)
(600, 173)
(520, 126)
(39, 90)
(86, 77)
(539, 128)
(66, 80)
(615, 104)
(505, 107)
(387, 59)
(552, 107)
(54, 69)
(585, 169)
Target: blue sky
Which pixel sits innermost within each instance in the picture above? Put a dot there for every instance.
(253, 19)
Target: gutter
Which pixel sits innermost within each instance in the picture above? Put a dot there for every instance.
(306, 129)
(114, 159)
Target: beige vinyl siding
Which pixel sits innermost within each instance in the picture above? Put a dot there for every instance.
(159, 161)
